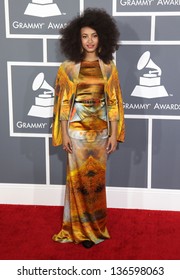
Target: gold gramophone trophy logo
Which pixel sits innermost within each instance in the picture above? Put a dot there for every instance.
(42, 8)
(150, 82)
(44, 103)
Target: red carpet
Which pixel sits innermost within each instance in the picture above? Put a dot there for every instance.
(25, 233)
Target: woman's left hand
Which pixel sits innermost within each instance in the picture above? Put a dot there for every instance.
(111, 144)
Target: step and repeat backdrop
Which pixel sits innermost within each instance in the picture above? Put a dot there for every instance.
(144, 171)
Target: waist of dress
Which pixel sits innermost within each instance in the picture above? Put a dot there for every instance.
(91, 101)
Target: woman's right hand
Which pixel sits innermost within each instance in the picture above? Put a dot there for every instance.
(67, 145)
(66, 141)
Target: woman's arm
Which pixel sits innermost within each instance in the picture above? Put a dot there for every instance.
(115, 108)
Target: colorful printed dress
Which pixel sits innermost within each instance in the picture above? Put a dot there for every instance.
(85, 199)
(88, 95)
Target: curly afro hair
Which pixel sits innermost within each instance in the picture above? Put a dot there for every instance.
(102, 23)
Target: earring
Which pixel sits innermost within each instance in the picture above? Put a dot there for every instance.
(82, 50)
(99, 50)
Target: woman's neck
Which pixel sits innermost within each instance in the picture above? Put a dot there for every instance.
(90, 57)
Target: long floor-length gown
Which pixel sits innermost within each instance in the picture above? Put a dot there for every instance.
(85, 211)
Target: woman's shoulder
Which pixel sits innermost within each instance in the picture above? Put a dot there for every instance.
(110, 65)
(66, 64)
(113, 65)
(109, 68)
(68, 69)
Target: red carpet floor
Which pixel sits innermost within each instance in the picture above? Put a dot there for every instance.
(26, 231)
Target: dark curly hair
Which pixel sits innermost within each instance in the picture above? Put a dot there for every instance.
(102, 23)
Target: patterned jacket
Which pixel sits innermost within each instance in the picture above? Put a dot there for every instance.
(65, 91)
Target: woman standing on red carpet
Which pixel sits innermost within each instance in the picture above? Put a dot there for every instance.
(88, 122)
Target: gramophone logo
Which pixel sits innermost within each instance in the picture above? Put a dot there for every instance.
(150, 82)
(44, 103)
(42, 8)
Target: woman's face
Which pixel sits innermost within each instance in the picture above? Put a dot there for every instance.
(89, 39)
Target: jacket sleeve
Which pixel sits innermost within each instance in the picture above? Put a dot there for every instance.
(115, 108)
(61, 105)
